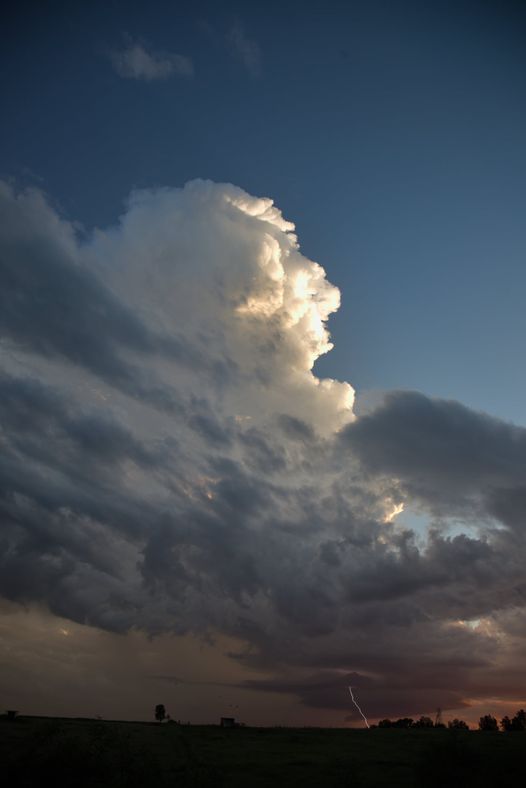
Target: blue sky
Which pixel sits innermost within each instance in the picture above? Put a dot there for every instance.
(392, 134)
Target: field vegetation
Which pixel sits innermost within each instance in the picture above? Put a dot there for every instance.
(95, 754)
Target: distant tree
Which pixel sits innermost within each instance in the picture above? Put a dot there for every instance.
(488, 723)
(423, 722)
(518, 723)
(385, 724)
(403, 722)
(458, 725)
(160, 712)
(506, 724)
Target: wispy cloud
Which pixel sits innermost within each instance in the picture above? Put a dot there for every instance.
(134, 61)
(245, 49)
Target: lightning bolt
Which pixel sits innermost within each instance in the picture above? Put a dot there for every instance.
(359, 709)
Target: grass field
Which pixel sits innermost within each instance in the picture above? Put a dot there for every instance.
(82, 753)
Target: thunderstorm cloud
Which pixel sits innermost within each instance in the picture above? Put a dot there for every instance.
(171, 463)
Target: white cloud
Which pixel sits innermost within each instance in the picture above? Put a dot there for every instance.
(243, 284)
(135, 62)
(244, 48)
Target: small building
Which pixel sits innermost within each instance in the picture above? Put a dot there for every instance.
(228, 722)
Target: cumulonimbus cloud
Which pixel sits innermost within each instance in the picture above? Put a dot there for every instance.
(171, 461)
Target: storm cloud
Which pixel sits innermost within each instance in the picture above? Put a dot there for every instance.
(455, 460)
(172, 464)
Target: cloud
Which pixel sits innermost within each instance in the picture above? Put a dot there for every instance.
(245, 49)
(103, 428)
(134, 61)
(50, 303)
(452, 459)
(171, 463)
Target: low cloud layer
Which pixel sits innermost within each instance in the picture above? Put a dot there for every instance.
(171, 463)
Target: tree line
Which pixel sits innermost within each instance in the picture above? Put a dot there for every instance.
(486, 723)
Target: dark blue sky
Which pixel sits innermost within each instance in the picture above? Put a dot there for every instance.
(391, 133)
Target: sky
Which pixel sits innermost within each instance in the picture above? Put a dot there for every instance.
(261, 328)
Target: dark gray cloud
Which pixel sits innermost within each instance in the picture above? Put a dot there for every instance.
(455, 460)
(48, 303)
(330, 690)
(296, 428)
(37, 420)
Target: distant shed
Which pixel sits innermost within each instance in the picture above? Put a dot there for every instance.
(228, 722)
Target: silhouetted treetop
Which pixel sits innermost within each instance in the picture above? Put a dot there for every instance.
(488, 723)
(457, 724)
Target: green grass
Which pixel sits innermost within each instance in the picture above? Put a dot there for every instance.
(97, 754)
